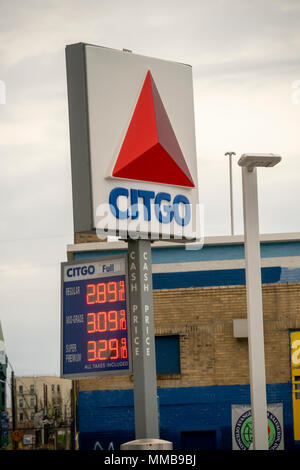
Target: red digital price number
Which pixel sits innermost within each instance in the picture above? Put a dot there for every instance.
(103, 292)
(105, 349)
(106, 321)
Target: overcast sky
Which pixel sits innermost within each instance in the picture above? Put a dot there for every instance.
(245, 58)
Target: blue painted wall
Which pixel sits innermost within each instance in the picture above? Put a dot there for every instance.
(107, 417)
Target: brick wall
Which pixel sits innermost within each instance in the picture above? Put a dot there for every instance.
(86, 237)
(209, 354)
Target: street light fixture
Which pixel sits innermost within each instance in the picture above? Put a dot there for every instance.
(249, 162)
(253, 160)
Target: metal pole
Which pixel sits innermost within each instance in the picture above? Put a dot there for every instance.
(231, 193)
(231, 202)
(13, 406)
(73, 414)
(255, 311)
(143, 339)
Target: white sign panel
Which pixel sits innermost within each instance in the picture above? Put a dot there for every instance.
(134, 168)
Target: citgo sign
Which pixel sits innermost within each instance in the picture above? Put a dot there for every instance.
(133, 151)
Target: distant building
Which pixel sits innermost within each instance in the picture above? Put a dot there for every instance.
(43, 411)
(3, 367)
(51, 395)
(3, 414)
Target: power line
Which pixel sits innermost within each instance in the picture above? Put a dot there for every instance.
(34, 238)
(8, 361)
(13, 267)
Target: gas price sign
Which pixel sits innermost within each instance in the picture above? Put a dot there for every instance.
(95, 337)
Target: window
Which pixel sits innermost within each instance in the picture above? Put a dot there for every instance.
(32, 402)
(21, 417)
(297, 386)
(57, 411)
(31, 388)
(58, 388)
(21, 403)
(52, 388)
(20, 388)
(167, 354)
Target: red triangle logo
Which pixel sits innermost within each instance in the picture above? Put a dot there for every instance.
(150, 150)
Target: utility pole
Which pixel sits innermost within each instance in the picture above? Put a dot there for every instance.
(13, 406)
(231, 196)
(45, 426)
(45, 399)
(73, 414)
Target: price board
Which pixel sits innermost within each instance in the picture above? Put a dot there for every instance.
(95, 323)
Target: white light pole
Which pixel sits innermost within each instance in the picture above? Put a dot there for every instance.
(249, 162)
(230, 182)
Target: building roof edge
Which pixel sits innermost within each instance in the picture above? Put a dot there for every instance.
(210, 240)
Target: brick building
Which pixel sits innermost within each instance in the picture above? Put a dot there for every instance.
(47, 393)
(42, 410)
(202, 347)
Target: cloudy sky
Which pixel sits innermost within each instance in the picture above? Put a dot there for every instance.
(245, 58)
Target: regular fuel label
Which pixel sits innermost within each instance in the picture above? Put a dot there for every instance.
(95, 326)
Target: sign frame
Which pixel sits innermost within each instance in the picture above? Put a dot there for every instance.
(92, 100)
(97, 373)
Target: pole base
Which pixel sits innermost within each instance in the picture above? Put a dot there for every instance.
(147, 444)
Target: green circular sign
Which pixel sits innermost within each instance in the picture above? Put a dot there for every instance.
(246, 432)
(243, 431)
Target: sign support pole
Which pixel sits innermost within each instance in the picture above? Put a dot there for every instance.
(143, 339)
